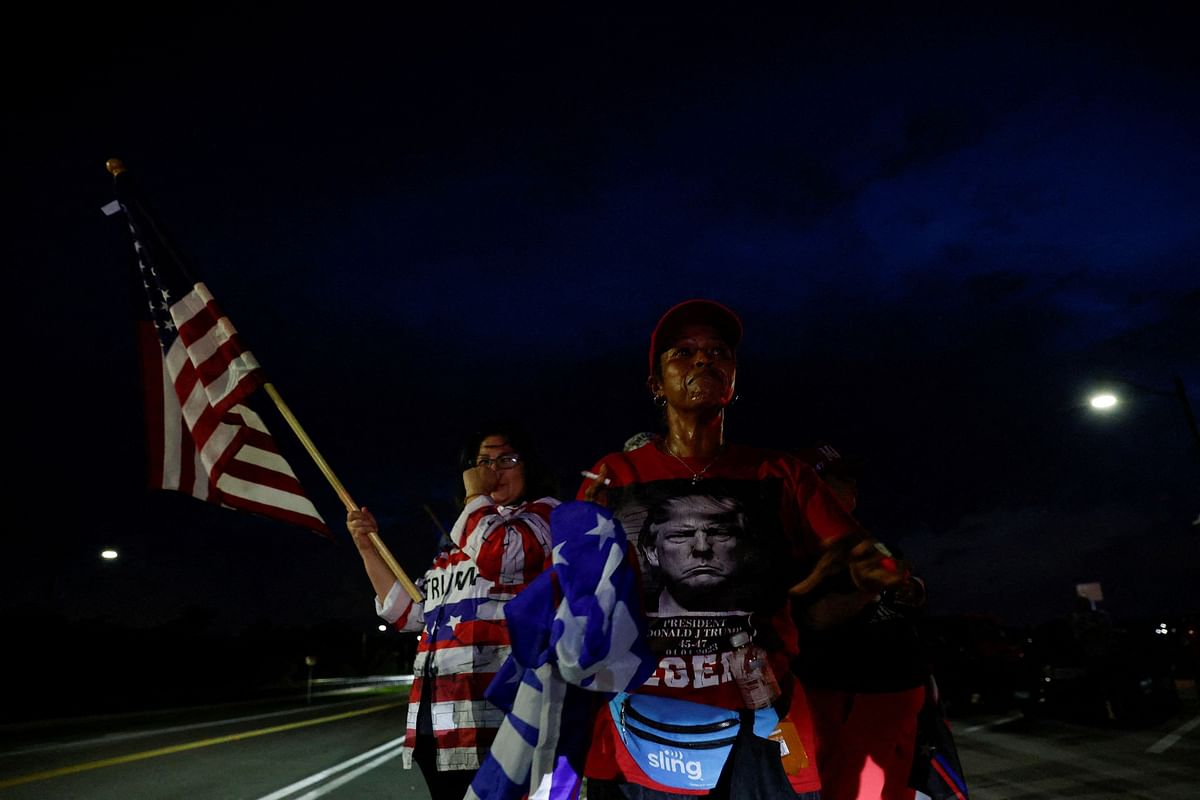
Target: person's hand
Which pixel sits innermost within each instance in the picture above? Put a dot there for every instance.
(361, 525)
(480, 480)
(831, 561)
(871, 566)
(595, 491)
(911, 592)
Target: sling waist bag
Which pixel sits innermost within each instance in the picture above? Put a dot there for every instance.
(680, 744)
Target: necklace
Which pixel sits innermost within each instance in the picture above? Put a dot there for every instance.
(696, 476)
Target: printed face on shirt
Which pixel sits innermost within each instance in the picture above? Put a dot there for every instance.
(694, 541)
(697, 370)
(510, 483)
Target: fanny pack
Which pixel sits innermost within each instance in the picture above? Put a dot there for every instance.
(680, 744)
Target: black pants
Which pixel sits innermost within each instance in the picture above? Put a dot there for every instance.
(445, 785)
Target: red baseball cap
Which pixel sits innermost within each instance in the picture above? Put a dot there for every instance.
(709, 312)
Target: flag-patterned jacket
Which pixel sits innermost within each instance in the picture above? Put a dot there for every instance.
(497, 551)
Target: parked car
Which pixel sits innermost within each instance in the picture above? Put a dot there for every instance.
(1085, 669)
(978, 661)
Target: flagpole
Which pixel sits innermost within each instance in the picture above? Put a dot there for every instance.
(322, 465)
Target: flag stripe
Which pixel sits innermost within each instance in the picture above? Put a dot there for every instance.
(275, 475)
(221, 362)
(232, 486)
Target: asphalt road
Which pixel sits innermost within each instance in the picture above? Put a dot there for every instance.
(345, 747)
(339, 747)
(1008, 757)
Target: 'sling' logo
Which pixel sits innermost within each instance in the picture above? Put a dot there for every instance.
(672, 761)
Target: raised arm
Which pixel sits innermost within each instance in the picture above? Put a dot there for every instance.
(853, 567)
(392, 603)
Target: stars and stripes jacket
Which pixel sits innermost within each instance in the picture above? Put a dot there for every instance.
(496, 552)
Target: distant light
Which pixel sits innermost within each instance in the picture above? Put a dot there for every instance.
(108, 554)
(1103, 401)
(382, 628)
(1161, 629)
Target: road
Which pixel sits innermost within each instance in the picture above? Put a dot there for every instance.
(1007, 757)
(345, 746)
(339, 747)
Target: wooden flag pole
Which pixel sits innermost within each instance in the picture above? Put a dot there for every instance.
(380, 547)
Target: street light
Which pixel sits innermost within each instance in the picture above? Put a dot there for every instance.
(1106, 401)
(109, 554)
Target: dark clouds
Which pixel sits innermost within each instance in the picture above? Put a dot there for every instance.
(938, 227)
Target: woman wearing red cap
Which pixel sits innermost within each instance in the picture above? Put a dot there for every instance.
(779, 520)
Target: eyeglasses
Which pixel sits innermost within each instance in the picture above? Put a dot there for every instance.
(506, 461)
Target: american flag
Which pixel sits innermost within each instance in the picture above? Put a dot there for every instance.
(578, 637)
(203, 438)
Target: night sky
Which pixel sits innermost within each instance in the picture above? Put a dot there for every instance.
(940, 231)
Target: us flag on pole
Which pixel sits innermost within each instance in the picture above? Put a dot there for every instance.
(203, 439)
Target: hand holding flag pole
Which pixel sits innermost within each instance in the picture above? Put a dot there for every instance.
(204, 439)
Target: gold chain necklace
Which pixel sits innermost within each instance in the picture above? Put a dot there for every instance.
(696, 476)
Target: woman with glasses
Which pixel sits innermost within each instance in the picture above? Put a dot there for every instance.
(498, 545)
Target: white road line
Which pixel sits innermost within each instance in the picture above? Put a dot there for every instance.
(111, 738)
(1172, 738)
(349, 776)
(1002, 721)
(325, 773)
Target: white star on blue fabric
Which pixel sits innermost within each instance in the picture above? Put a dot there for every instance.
(455, 620)
(604, 529)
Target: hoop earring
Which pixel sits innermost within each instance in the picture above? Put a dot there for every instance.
(659, 400)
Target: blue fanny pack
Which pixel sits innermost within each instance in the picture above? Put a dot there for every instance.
(679, 744)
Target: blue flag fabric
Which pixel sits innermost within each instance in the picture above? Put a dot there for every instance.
(578, 637)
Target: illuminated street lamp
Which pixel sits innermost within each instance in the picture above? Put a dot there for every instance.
(109, 554)
(1106, 401)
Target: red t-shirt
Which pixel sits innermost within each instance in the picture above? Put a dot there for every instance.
(718, 543)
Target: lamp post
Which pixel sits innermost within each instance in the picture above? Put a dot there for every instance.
(1107, 401)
